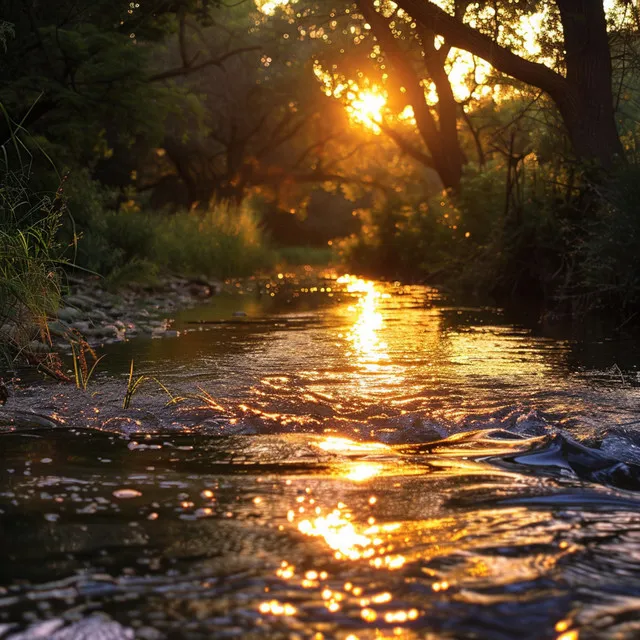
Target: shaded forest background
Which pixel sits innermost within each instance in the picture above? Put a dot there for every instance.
(488, 147)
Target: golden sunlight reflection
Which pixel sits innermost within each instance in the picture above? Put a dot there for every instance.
(350, 528)
(344, 445)
(362, 471)
(351, 540)
(269, 7)
(364, 334)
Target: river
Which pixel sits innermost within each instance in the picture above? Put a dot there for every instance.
(322, 457)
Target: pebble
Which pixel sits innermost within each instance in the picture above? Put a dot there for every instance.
(69, 314)
(103, 317)
(125, 494)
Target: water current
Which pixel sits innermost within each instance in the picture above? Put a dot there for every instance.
(341, 459)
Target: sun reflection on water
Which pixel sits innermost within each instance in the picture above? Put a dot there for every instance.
(362, 471)
(364, 334)
(346, 446)
(350, 534)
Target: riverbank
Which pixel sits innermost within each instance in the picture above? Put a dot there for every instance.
(102, 316)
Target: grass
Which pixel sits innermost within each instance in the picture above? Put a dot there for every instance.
(30, 256)
(82, 373)
(134, 384)
(135, 246)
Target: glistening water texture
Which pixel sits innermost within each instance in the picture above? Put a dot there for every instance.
(337, 459)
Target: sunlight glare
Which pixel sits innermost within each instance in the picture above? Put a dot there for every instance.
(352, 541)
(363, 471)
(344, 445)
(366, 107)
(269, 7)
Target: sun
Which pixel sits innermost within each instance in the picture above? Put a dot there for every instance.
(366, 106)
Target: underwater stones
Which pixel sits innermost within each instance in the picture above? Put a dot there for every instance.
(83, 326)
(98, 314)
(102, 317)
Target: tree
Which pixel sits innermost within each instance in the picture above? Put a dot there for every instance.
(439, 135)
(76, 71)
(583, 95)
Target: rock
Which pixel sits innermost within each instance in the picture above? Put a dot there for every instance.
(96, 314)
(39, 630)
(69, 314)
(58, 328)
(112, 331)
(83, 302)
(198, 290)
(213, 286)
(83, 326)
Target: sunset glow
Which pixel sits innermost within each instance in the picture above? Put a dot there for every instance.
(366, 108)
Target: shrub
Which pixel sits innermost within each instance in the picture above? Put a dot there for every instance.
(223, 241)
(608, 271)
(129, 244)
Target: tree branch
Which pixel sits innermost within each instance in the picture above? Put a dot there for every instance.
(406, 147)
(184, 71)
(462, 36)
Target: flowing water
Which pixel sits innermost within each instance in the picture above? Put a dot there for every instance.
(343, 459)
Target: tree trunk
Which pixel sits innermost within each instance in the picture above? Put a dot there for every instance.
(584, 98)
(452, 159)
(587, 108)
(440, 138)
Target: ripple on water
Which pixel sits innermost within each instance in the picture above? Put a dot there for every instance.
(371, 465)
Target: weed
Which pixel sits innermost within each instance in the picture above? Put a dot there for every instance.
(204, 396)
(134, 384)
(30, 256)
(132, 246)
(82, 372)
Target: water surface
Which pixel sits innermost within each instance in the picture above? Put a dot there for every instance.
(343, 459)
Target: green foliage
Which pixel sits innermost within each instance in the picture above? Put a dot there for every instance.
(478, 241)
(405, 241)
(225, 240)
(90, 61)
(607, 267)
(130, 245)
(30, 256)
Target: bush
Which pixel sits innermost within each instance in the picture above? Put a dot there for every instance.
(133, 245)
(224, 241)
(406, 241)
(476, 241)
(608, 270)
